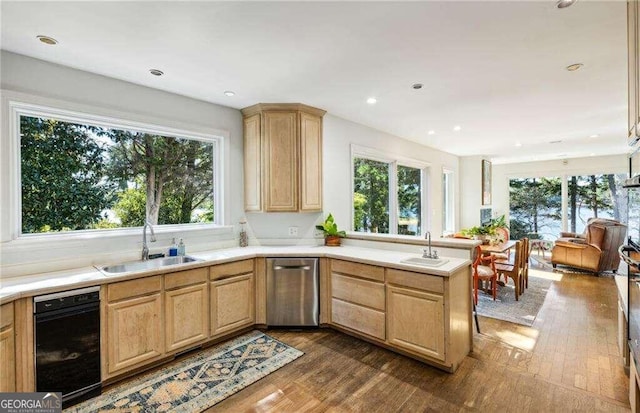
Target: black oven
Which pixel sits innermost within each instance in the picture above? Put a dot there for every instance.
(67, 344)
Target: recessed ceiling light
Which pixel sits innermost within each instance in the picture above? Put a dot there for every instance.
(592, 154)
(595, 135)
(574, 67)
(457, 128)
(47, 40)
(372, 101)
(431, 132)
(518, 144)
(156, 72)
(561, 4)
(229, 93)
(417, 85)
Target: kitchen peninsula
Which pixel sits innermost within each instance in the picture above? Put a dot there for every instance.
(422, 312)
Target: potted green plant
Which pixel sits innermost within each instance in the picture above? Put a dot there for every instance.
(330, 230)
(481, 233)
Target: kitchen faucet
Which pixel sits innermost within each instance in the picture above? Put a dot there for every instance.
(426, 253)
(145, 249)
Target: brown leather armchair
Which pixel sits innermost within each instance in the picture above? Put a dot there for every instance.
(597, 251)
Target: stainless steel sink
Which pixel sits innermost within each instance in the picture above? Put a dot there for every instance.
(425, 262)
(134, 266)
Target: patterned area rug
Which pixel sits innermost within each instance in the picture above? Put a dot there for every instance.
(198, 382)
(505, 307)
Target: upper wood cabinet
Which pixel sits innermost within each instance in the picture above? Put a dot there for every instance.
(282, 157)
(633, 53)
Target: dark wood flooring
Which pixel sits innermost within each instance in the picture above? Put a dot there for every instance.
(567, 361)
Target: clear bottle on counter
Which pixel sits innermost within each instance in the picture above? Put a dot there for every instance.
(181, 248)
(244, 238)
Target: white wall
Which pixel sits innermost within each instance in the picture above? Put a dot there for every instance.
(338, 136)
(35, 81)
(471, 190)
(502, 173)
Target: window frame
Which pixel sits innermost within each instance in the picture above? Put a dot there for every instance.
(448, 194)
(394, 161)
(18, 109)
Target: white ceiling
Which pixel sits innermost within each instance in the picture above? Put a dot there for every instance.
(495, 68)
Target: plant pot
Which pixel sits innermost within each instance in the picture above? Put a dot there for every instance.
(332, 241)
(483, 238)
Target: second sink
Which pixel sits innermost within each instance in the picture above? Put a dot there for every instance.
(425, 262)
(146, 265)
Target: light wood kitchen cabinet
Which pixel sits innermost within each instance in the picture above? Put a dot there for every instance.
(232, 290)
(415, 321)
(283, 157)
(429, 316)
(633, 56)
(7, 349)
(186, 308)
(358, 298)
(134, 328)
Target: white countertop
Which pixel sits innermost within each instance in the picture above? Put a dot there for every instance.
(44, 283)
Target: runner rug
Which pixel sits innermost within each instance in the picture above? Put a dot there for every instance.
(198, 382)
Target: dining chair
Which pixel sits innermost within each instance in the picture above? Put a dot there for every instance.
(503, 235)
(484, 269)
(526, 254)
(513, 269)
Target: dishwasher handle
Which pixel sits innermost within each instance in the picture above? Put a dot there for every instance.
(292, 267)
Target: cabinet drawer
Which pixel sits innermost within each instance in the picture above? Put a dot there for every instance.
(416, 280)
(359, 270)
(233, 268)
(6, 315)
(358, 318)
(184, 278)
(358, 291)
(133, 288)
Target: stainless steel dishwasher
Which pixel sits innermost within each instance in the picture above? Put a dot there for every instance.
(292, 292)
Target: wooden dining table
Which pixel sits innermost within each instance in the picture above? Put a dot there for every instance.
(502, 247)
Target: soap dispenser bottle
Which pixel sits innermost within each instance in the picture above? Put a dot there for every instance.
(173, 249)
(181, 248)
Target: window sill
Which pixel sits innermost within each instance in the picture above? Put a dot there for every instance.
(178, 231)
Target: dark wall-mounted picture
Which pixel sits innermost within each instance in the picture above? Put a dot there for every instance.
(486, 182)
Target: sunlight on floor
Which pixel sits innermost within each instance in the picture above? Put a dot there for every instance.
(553, 276)
(524, 338)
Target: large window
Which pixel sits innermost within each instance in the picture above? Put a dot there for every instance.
(537, 205)
(388, 196)
(83, 175)
(599, 196)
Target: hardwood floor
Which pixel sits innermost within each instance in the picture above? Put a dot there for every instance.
(567, 361)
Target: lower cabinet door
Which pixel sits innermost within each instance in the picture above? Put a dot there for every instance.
(415, 321)
(232, 303)
(7, 360)
(186, 316)
(134, 332)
